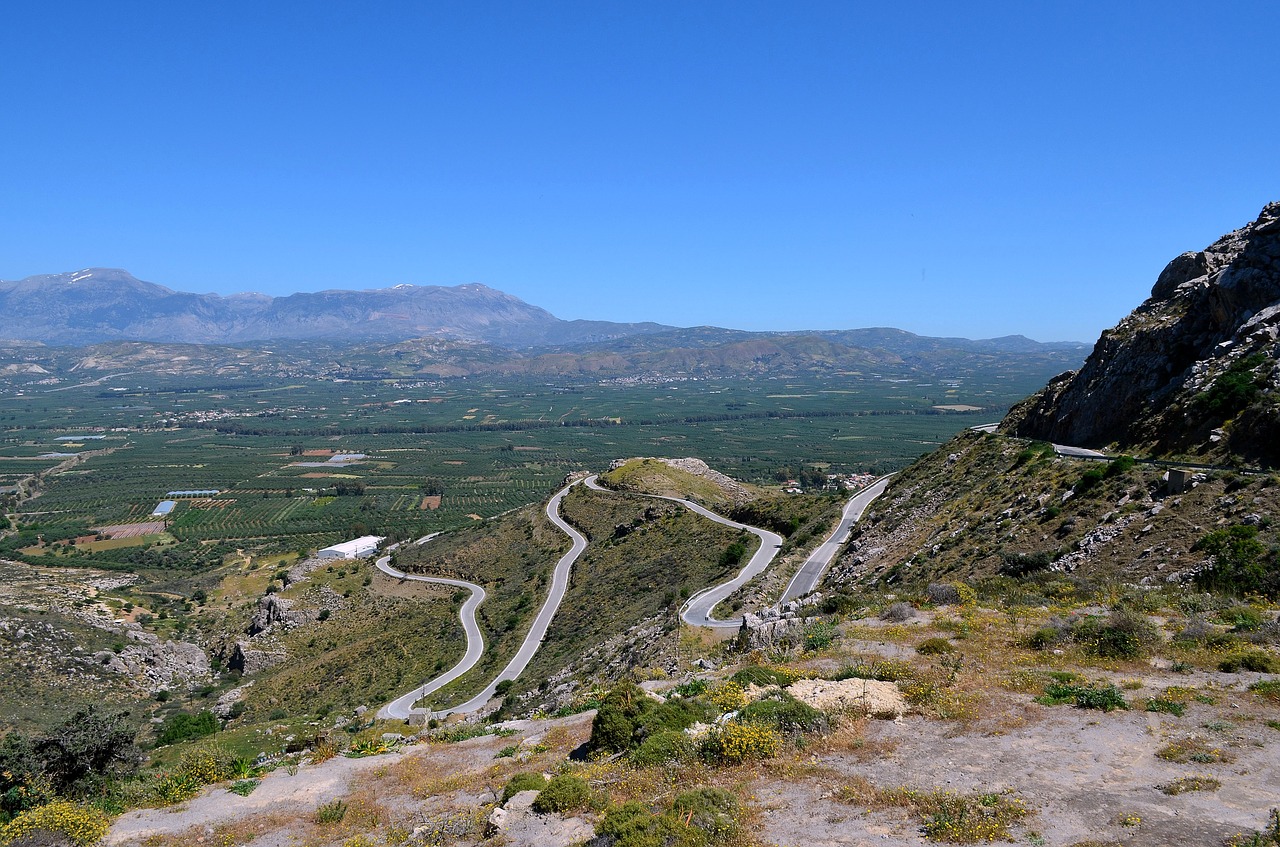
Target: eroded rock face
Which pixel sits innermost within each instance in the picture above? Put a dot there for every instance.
(1207, 311)
(248, 659)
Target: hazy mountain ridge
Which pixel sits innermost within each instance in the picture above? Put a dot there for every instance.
(103, 304)
(102, 320)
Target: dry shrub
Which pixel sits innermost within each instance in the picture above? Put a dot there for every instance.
(898, 613)
(850, 742)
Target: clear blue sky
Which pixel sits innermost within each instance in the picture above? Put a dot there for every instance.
(949, 168)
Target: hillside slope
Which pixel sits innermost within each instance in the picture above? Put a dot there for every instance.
(1191, 371)
(1191, 374)
(986, 505)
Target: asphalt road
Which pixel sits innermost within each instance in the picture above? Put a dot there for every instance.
(1060, 449)
(697, 609)
(810, 573)
(402, 706)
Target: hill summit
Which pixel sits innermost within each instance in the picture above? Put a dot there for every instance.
(1192, 371)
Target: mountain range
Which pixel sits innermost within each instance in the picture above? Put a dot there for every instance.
(102, 319)
(106, 304)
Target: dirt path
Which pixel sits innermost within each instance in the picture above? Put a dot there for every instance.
(285, 803)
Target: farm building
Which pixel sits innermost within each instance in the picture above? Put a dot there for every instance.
(164, 508)
(366, 545)
(199, 492)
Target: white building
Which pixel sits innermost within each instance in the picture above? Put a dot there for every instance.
(364, 546)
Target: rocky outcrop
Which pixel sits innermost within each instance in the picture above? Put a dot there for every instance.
(1156, 379)
(154, 664)
(274, 611)
(248, 659)
(733, 490)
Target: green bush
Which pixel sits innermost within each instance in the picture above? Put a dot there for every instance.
(1238, 565)
(1089, 480)
(1123, 635)
(332, 812)
(733, 554)
(697, 818)
(840, 604)
(564, 793)
(935, 647)
(820, 635)
(1253, 660)
(523, 782)
(182, 726)
(1120, 466)
(1168, 707)
(1104, 698)
(1018, 565)
(712, 810)
(1268, 688)
(692, 688)
(785, 714)
(635, 825)
(1241, 618)
(627, 716)
(664, 748)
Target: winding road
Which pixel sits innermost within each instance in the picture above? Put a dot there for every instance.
(810, 573)
(402, 706)
(696, 610)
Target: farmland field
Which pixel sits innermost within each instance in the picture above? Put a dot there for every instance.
(466, 448)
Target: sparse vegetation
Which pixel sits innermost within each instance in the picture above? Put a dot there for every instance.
(1189, 783)
(1106, 698)
(947, 817)
(331, 812)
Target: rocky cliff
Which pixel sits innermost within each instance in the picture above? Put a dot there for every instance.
(1192, 371)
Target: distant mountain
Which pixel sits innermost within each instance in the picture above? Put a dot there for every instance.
(104, 320)
(103, 304)
(1195, 370)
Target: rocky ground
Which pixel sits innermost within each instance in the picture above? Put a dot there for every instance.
(1084, 776)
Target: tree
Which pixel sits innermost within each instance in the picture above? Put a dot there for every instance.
(89, 745)
(1237, 567)
(22, 781)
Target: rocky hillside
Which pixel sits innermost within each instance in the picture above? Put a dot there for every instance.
(1192, 371)
(1191, 374)
(987, 505)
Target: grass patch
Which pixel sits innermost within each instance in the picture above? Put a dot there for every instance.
(1167, 707)
(946, 817)
(1193, 750)
(1189, 783)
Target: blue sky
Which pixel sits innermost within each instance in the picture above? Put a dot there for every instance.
(971, 169)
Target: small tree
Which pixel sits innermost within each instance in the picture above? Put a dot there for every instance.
(88, 746)
(1237, 567)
